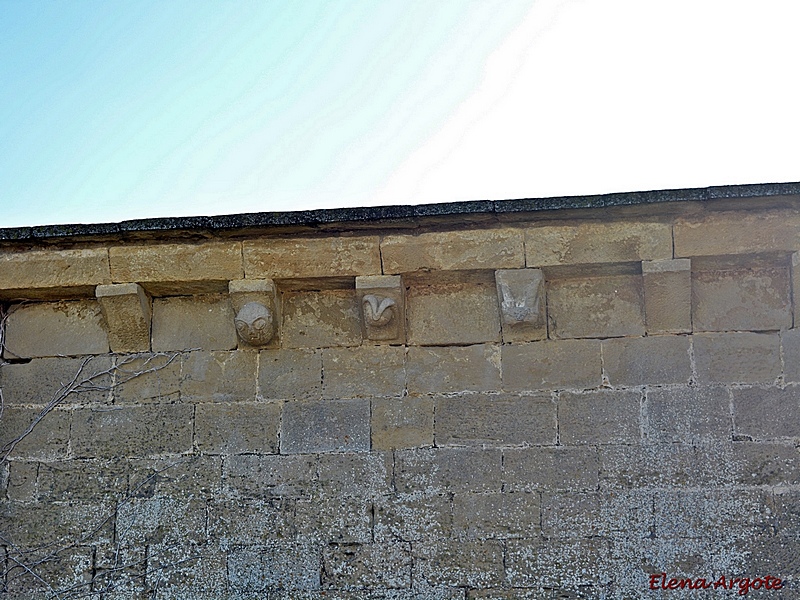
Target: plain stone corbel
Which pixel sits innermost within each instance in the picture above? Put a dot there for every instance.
(257, 311)
(127, 312)
(667, 295)
(520, 293)
(382, 304)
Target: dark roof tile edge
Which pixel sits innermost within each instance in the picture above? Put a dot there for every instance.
(380, 213)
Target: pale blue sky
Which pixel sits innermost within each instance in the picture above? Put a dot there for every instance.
(115, 110)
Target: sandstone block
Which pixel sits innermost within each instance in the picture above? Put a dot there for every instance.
(611, 306)
(219, 376)
(79, 480)
(42, 379)
(737, 232)
(126, 309)
(47, 439)
(570, 515)
(178, 268)
(543, 563)
(311, 257)
(402, 423)
(559, 468)
(364, 371)
(243, 521)
(383, 308)
(453, 250)
(412, 517)
(548, 244)
(55, 329)
(652, 466)
(18, 481)
(522, 305)
(767, 464)
(647, 361)
(448, 470)
(552, 365)
(795, 279)
(321, 319)
(359, 566)
(265, 476)
(193, 322)
(499, 515)
(600, 417)
(790, 344)
(495, 421)
(325, 426)
(474, 563)
(160, 520)
(767, 414)
(147, 377)
(334, 519)
(667, 295)
(453, 369)
(132, 431)
(465, 313)
(280, 564)
(186, 476)
(174, 568)
(358, 474)
(43, 274)
(290, 374)
(233, 428)
(752, 299)
(737, 357)
(688, 415)
(69, 569)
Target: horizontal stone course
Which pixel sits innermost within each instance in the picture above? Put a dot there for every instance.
(53, 273)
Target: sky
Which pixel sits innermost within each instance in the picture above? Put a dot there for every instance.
(114, 110)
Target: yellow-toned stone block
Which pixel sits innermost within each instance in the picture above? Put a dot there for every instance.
(43, 274)
(126, 309)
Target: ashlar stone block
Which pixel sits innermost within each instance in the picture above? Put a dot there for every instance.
(126, 309)
(522, 305)
(325, 426)
(55, 329)
(193, 322)
(52, 273)
(668, 295)
(382, 300)
(320, 319)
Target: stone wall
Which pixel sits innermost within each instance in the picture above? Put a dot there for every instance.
(548, 404)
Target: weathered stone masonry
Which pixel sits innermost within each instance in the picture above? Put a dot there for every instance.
(522, 399)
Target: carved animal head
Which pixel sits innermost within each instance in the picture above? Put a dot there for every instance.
(254, 324)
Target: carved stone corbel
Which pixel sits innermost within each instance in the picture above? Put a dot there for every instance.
(126, 309)
(255, 304)
(522, 307)
(382, 304)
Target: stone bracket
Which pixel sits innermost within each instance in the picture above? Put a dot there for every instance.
(667, 295)
(520, 293)
(382, 302)
(256, 305)
(127, 312)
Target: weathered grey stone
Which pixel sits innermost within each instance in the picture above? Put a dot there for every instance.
(325, 426)
(501, 515)
(522, 304)
(265, 476)
(746, 299)
(611, 306)
(495, 420)
(767, 414)
(290, 374)
(244, 520)
(453, 250)
(552, 365)
(559, 468)
(132, 430)
(321, 319)
(232, 428)
(174, 568)
(359, 566)
(601, 417)
(457, 313)
(219, 376)
(70, 569)
(448, 469)
(402, 423)
(161, 520)
(651, 466)
(647, 361)
(790, 344)
(126, 310)
(141, 378)
(193, 322)
(334, 519)
(557, 564)
(42, 379)
(19, 480)
(55, 329)
(549, 244)
(568, 515)
(297, 257)
(36, 525)
(688, 415)
(27, 434)
(383, 312)
(471, 563)
(453, 369)
(185, 476)
(292, 565)
(667, 295)
(79, 480)
(370, 371)
(355, 474)
(413, 517)
(737, 357)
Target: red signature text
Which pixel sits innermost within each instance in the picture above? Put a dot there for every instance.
(743, 585)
